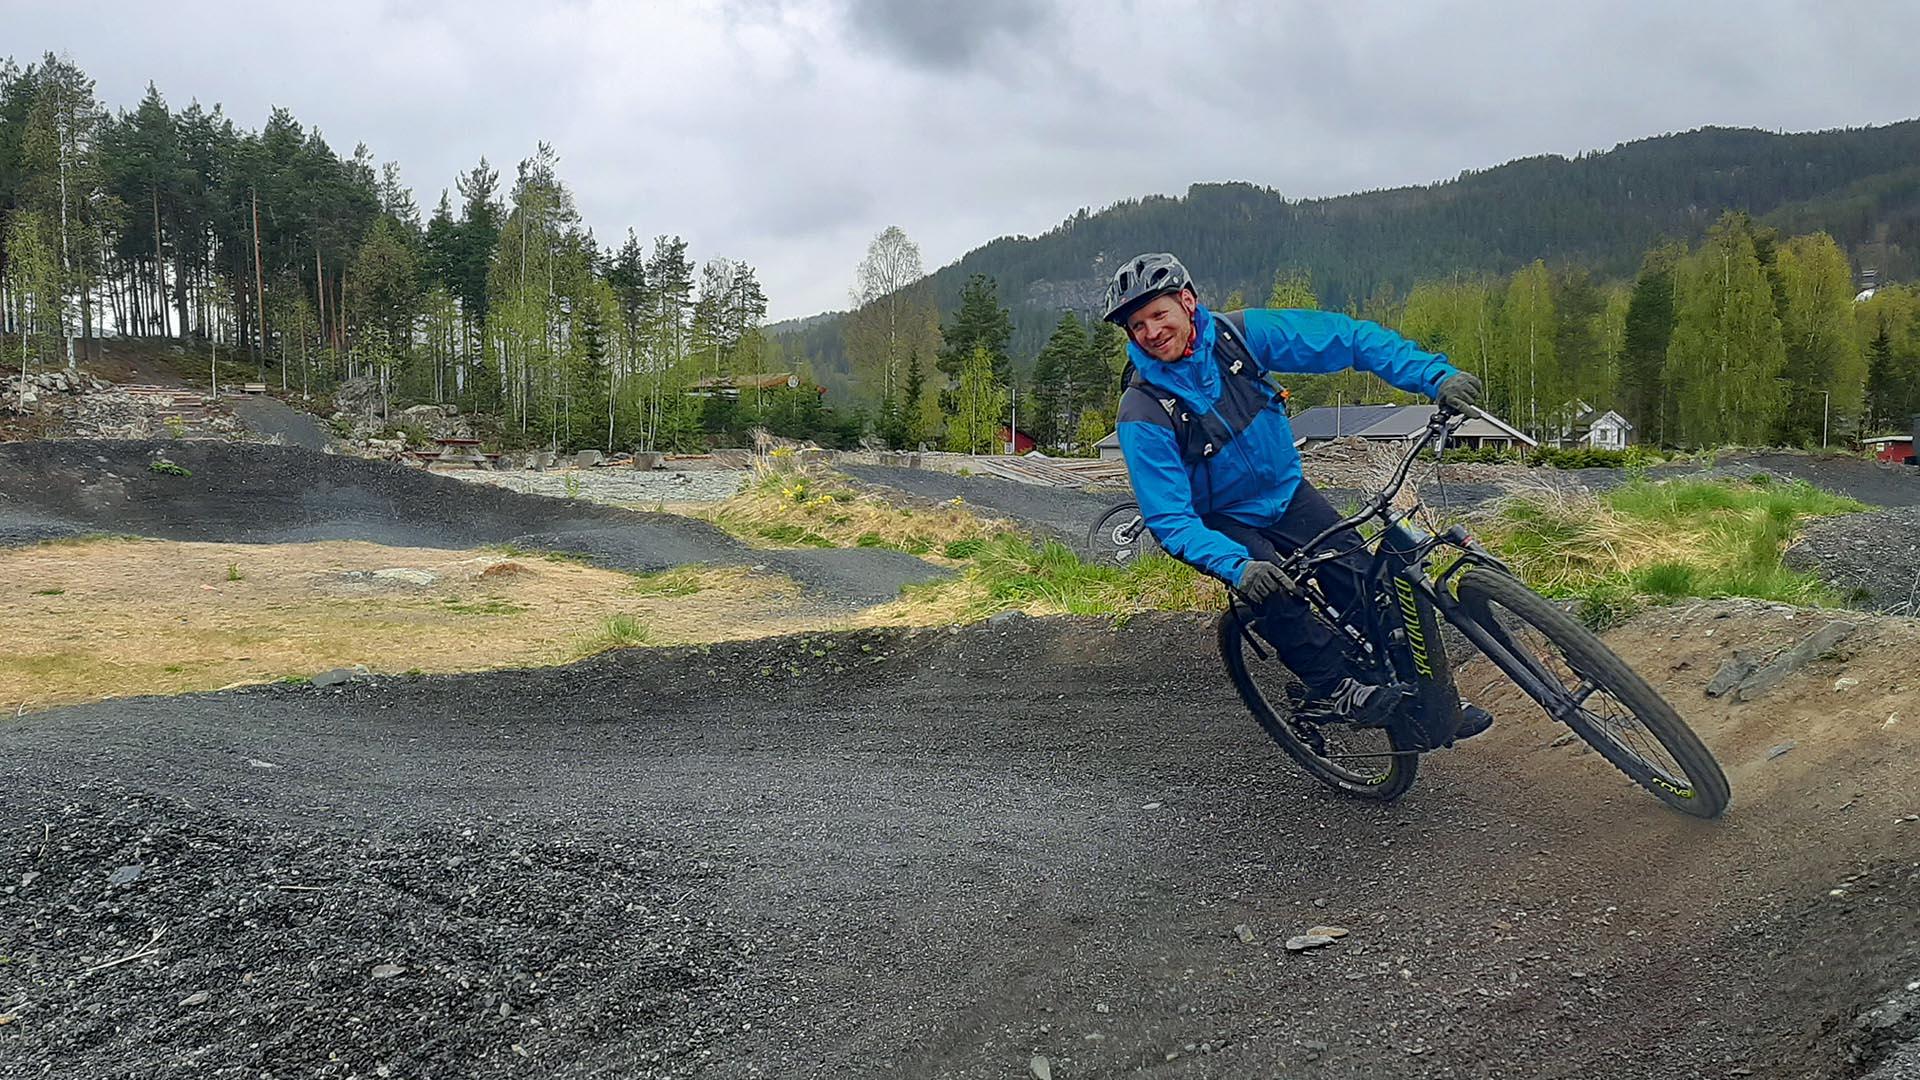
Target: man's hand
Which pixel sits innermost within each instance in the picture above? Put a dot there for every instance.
(1261, 581)
(1460, 392)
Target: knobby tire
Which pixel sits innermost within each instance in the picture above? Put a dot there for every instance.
(1702, 791)
(1231, 629)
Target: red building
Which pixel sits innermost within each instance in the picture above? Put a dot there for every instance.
(1890, 447)
(1021, 444)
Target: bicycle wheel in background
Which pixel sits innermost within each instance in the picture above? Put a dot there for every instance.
(1120, 536)
(1368, 763)
(1612, 707)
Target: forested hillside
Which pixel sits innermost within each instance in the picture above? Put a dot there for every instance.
(1600, 211)
(1703, 284)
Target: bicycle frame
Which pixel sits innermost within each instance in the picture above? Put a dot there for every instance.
(1401, 555)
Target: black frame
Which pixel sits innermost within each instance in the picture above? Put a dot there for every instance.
(1400, 552)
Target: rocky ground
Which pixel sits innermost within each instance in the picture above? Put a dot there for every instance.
(1031, 848)
(615, 486)
(202, 490)
(1872, 559)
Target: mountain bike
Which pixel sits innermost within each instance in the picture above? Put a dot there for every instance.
(1120, 535)
(1414, 580)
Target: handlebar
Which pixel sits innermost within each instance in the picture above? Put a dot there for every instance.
(1443, 421)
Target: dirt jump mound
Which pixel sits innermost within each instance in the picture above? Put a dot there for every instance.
(1042, 847)
(263, 494)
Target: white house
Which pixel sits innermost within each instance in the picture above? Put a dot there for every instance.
(1600, 430)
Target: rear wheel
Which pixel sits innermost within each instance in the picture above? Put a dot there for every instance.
(1120, 536)
(1595, 693)
(1368, 763)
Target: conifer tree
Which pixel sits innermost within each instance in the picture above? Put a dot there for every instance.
(979, 323)
(1643, 351)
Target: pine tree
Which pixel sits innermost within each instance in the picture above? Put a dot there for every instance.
(914, 425)
(1886, 394)
(980, 323)
(1058, 374)
(1643, 352)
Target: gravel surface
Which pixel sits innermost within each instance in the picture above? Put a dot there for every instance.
(263, 494)
(615, 486)
(1063, 513)
(1873, 559)
(272, 418)
(937, 853)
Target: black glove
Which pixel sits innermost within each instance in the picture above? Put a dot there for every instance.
(1460, 392)
(1261, 581)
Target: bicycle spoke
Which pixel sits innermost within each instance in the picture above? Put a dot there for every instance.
(1583, 698)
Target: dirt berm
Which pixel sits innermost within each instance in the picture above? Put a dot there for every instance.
(944, 853)
(253, 493)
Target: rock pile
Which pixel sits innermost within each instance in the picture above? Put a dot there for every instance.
(21, 394)
(1872, 559)
(62, 405)
(368, 427)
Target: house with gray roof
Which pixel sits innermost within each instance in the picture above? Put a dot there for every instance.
(1400, 423)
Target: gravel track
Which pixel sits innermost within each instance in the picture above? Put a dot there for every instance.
(1872, 559)
(1063, 513)
(936, 853)
(262, 494)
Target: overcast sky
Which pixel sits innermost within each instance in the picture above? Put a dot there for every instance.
(789, 132)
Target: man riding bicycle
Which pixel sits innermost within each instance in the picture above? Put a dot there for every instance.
(1213, 466)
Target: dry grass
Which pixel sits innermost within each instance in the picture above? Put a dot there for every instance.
(116, 617)
(787, 505)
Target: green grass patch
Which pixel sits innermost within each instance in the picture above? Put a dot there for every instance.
(783, 532)
(680, 581)
(1011, 572)
(616, 632)
(961, 550)
(168, 468)
(50, 592)
(1665, 541)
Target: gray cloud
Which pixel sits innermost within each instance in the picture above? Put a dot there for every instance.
(945, 35)
(789, 132)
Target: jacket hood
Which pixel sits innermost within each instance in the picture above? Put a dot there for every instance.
(1194, 379)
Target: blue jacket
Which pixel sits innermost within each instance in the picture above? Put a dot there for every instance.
(1253, 475)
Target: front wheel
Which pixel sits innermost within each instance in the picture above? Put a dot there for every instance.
(1368, 763)
(1586, 686)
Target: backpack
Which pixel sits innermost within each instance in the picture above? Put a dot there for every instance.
(1202, 437)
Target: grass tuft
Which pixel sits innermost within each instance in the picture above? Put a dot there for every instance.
(787, 504)
(616, 632)
(680, 581)
(1664, 541)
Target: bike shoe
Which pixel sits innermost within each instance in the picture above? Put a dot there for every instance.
(1351, 702)
(1473, 721)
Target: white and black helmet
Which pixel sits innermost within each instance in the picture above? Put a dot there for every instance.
(1142, 278)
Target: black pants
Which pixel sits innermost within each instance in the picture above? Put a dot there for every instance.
(1304, 644)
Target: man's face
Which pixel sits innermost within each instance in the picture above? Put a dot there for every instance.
(1163, 326)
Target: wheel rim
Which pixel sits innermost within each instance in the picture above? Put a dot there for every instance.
(1361, 756)
(1589, 709)
(1120, 537)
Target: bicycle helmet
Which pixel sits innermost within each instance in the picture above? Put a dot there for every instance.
(1140, 279)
